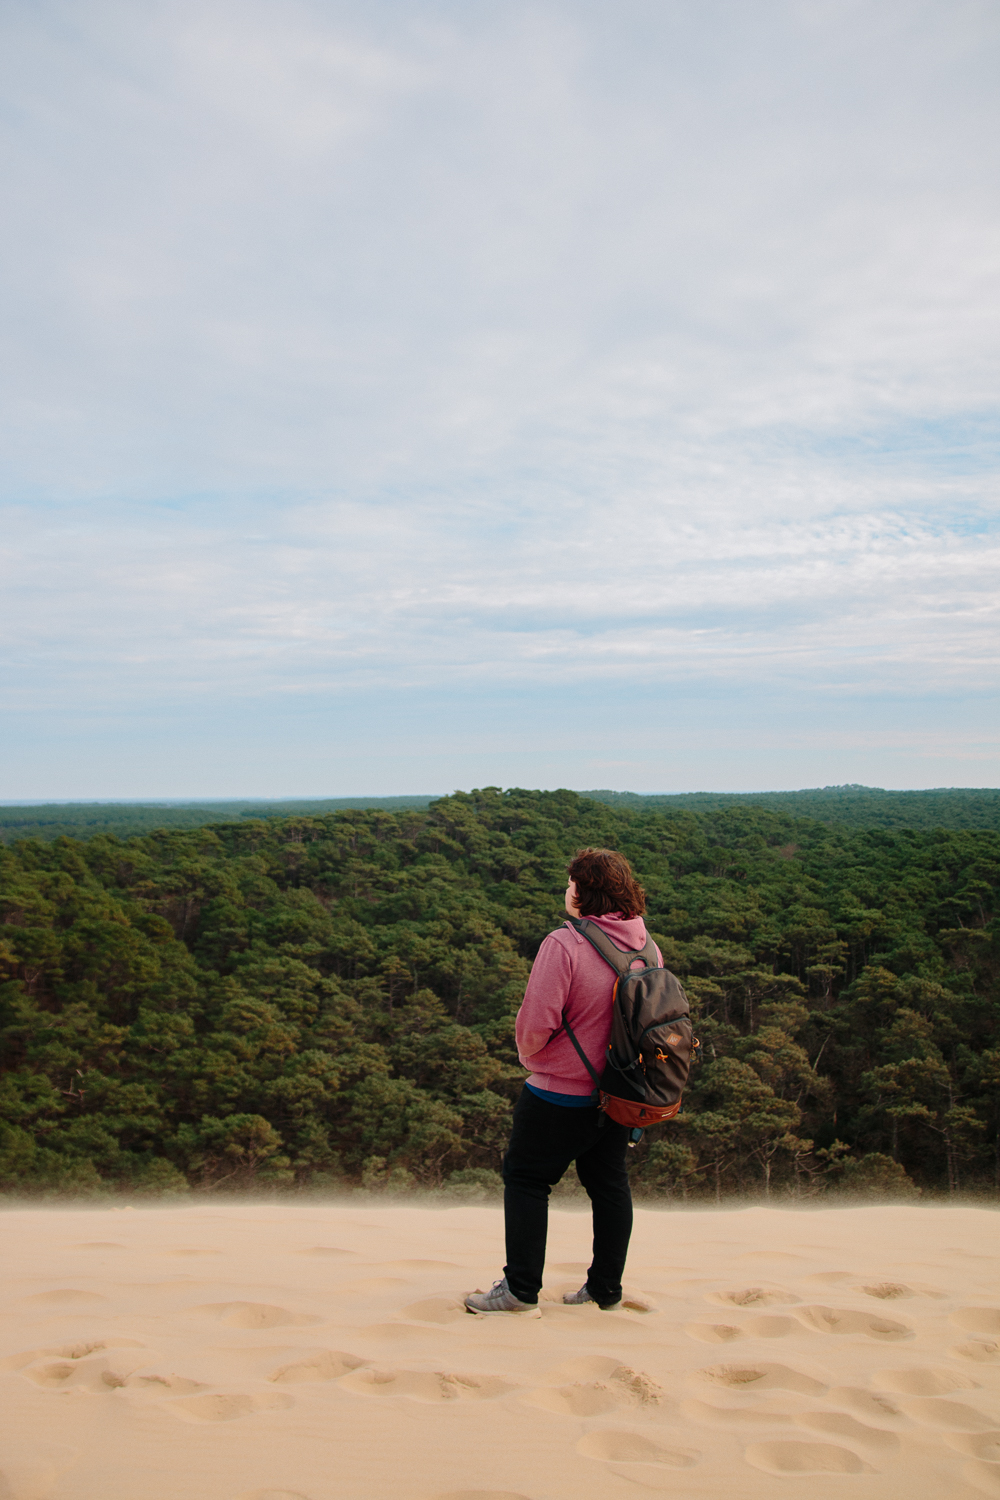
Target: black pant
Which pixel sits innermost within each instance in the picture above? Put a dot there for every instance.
(545, 1139)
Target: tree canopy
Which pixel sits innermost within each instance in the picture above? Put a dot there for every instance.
(324, 1000)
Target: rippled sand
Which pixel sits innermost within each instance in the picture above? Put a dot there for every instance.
(263, 1352)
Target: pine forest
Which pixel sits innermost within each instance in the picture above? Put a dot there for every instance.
(326, 1003)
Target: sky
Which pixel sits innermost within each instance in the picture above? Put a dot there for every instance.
(401, 397)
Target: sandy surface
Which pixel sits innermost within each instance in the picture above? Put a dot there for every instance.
(269, 1353)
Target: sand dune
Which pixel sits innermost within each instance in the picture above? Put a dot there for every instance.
(264, 1352)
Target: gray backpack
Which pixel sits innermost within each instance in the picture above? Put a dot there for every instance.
(652, 1041)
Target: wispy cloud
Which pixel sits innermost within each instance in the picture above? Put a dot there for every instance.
(508, 349)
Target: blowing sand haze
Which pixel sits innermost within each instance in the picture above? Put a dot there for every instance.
(322, 1353)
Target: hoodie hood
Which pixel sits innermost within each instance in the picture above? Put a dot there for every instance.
(626, 932)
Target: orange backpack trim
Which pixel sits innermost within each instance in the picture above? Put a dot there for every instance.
(638, 1116)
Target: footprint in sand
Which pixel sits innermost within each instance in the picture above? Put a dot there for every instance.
(732, 1416)
(953, 1414)
(160, 1385)
(421, 1385)
(637, 1457)
(638, 1302)
(837, 1424)
(325, 1364)
(92, 1371)
(713, 1333)
(977, 1319)
(877, 1411)
(591, 1386)
(805, 1458)
(93, 1375)
(760, 1377)
(68, 1351)
(253, 1315)
(888, 1291)
(55, 1376)
(757, 1328)
(984, 1445)
(917, 1382)
(97, 1378)
(589, 1398)
(843, 1321)
(630, 1385)
(751, 1296)
(981, 1350)
(225, 1408)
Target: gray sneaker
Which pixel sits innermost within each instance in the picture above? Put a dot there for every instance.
(500, 1299)
(576, 1299)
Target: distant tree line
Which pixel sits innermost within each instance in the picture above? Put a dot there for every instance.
(847, 806)
(327, 1001)
(81, 820)
(850, 806)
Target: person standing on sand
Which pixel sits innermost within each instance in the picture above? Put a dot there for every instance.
(556, 1119)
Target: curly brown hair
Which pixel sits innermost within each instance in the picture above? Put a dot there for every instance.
(605, 883)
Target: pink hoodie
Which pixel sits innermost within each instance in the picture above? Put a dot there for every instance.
(570, 976)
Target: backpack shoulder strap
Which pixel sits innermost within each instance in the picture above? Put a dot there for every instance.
(583, 1058)
(618, 958)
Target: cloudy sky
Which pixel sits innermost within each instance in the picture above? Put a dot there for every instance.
(407, 396)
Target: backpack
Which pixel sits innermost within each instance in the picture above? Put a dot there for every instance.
(652, 1041)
